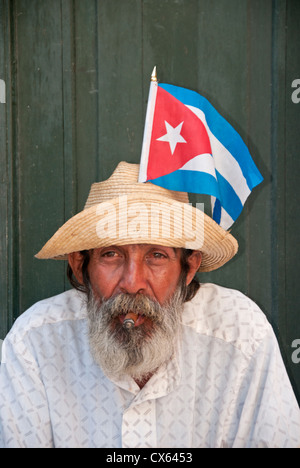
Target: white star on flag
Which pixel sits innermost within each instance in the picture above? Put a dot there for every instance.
(172, 136)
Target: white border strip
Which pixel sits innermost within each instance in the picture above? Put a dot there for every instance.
(148, 131)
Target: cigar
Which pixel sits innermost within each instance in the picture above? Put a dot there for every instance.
(130, 320)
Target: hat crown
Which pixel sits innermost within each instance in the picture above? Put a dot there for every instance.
(124, 181)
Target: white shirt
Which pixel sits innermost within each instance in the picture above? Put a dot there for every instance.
(225, 387)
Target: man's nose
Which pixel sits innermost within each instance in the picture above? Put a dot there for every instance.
(133, 278)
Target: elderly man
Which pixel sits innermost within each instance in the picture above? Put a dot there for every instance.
(138, 353)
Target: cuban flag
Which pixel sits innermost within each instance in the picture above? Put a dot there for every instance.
(188, 146)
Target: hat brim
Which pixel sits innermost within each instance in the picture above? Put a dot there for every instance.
(151, 219)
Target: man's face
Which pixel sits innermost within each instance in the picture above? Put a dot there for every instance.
(146, 280)
(135, 269)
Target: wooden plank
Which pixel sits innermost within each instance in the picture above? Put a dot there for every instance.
(222, 72)
(292, 170)
(278, 116)
(69, 112)
(40, 178)
(85, 118)
(9, 300)
(259, 223)
(109, 107)
(170, 41)
(120, 84)
(4, 75)
(69, 107)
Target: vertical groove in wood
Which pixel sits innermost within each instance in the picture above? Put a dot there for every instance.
(278, 164)
(68, 106)
(86, 96)
(13, 257)
(68, 110)
(4, 75)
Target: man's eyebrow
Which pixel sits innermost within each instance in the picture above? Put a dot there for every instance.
(175, 249)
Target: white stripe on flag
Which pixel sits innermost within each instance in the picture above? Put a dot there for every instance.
(226, 220)
(201, 163)
(225, 163)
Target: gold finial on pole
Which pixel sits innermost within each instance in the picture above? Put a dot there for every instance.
(153, 76)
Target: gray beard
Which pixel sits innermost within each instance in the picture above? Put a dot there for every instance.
(138, 352)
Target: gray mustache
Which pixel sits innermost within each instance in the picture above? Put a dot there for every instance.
(136, 303)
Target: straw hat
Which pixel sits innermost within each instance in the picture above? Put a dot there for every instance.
(122, 211)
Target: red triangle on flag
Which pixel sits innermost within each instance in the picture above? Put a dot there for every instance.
(178, 135)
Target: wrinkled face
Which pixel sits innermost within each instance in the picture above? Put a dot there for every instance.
(145, 280)
(135, 269)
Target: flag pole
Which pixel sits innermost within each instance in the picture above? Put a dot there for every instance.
(153, 75)
(148, 126)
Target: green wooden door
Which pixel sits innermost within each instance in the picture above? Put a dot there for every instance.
(76, 78)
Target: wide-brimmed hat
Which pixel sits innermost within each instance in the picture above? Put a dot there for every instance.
(123, 211)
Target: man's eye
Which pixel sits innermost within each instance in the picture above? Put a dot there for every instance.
(109, 254)
(157, 258)
(158, 255)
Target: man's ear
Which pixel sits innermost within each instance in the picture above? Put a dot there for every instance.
(75, 261)
(194, 261)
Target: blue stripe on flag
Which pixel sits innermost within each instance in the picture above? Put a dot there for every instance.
(228, 198)
(217, 211)
(222, 130)
(184, 181)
